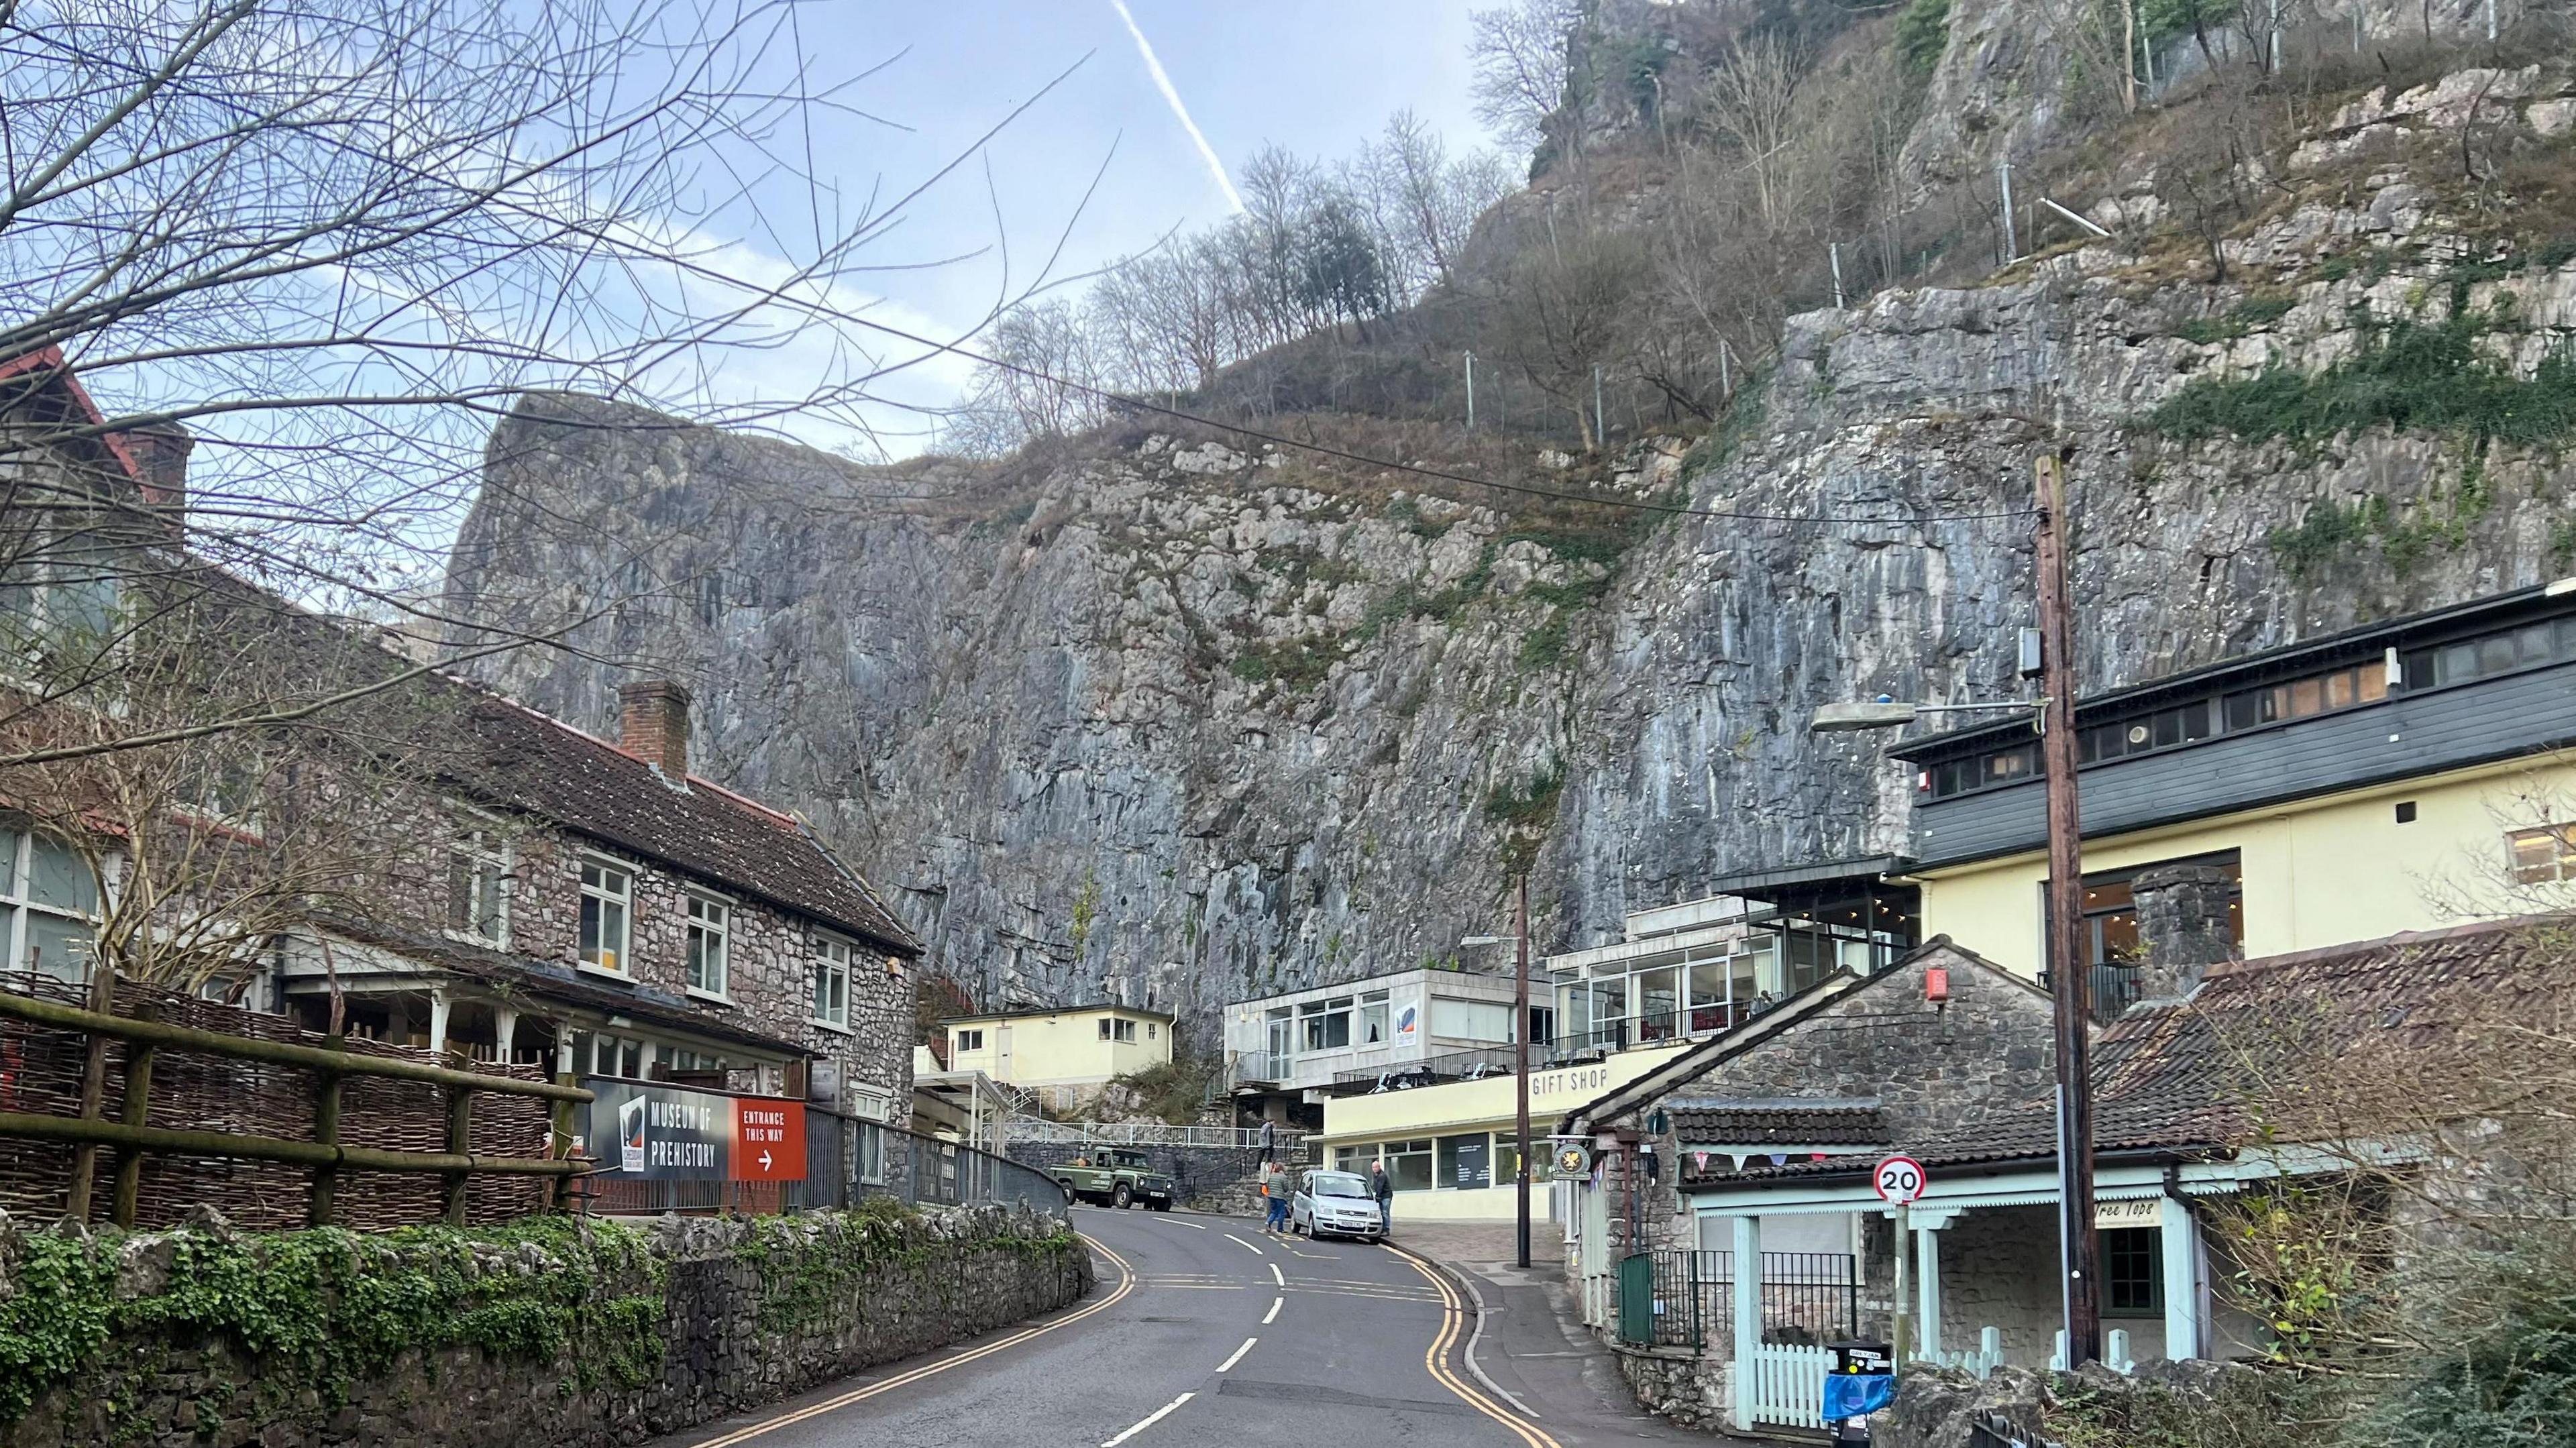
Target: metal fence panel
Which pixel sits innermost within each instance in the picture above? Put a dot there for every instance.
(849, 1159)
(1807, 1297)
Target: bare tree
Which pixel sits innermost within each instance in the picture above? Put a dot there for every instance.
(334, 240)
(1520, 51)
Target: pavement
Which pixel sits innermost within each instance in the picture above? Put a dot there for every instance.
(1531, 1349)
(1204, 1330)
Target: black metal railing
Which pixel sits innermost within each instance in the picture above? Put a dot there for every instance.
(1569, 1049)
(848, 1159)
(2115, 989)
(1660, 1300)
(1807, 1297)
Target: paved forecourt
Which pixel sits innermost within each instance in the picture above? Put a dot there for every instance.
(1203, 1330)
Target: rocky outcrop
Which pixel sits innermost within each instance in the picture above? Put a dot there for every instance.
(1185, 723)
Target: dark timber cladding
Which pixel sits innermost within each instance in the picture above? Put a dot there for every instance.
(2470, 685)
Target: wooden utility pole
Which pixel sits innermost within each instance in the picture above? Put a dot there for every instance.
(1521, 1066)
(2069, 971)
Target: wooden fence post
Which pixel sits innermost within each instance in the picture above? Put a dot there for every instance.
(138, 1106)
(562, 1144)
(93, 1099)
(326, 1132)
(460, 1127)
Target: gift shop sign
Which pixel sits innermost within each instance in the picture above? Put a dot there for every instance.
(670, 1133)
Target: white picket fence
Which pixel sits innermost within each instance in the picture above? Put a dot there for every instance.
(1787, 1384)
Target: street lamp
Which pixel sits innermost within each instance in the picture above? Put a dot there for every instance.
(1520, 1058)
(2070, 984)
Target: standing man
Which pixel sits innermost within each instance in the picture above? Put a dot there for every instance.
(1269, 1141)
(1274, 1192)
(1382, 1187)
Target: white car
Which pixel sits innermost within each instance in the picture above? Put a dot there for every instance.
(1335, 1204)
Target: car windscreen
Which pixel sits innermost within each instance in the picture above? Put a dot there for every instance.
(1340, 1186)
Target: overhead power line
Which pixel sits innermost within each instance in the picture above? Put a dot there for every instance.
(1140, 404)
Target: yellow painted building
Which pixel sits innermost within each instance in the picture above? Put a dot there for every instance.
(1450, 1147)
(2410, 774)
(1064, 1054)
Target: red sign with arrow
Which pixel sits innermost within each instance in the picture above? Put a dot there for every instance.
(768, 1140)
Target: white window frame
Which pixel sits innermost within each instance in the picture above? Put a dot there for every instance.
(699, 931)
(2561, 842)
(477, 845)
(832, 955)
(19, 907)
(623, 901)
(971, 1039)
(1117, 1031)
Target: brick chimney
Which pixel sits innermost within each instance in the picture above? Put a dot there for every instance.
(2184, 925)
(162, 454)
(654, 725)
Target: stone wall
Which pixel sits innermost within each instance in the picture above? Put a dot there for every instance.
(1220, 1179)
(572, 1335)
(1688, 1388)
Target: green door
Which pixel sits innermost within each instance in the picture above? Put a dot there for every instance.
(1637, 1298)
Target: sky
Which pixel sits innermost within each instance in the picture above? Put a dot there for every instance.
(1316, 76)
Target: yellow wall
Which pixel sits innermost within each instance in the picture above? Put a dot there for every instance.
(1460, 1107)
(2319, 872)
(1064, 1049)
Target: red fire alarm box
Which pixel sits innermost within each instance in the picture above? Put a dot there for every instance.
(1936, 984)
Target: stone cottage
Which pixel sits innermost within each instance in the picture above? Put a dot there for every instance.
(432, 864)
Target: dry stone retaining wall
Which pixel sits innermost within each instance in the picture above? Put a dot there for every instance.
(683, 1322)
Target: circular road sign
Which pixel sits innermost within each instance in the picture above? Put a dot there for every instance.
(1899, 1179)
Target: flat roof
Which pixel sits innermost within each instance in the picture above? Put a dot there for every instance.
(1111, 1007)
(2414, 629)
(1860, 867)
(1356, 982)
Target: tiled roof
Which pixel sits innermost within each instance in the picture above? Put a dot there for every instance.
(556, 982)
(1779, 1124)
(2176, 1076)
(523, 760)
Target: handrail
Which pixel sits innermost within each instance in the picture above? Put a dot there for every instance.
(72, 1018)
(172, 1142)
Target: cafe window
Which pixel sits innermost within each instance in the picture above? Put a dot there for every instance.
(1373, 1019)
(2544, 854)
(2133, 1271)
(2111, 907)
(1409, 1164)
(1325, 1025)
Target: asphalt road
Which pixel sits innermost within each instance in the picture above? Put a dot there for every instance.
(1203, 1331)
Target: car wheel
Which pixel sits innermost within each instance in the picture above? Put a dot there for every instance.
(1119, 1198)
(1069, 1197)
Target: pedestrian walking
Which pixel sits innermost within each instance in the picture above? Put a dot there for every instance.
(1274, 1190)
(1269, 1141)
(1383, 1188)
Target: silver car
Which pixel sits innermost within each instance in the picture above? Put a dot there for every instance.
(1335, 1204)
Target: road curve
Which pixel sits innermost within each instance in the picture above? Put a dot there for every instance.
(1203, 1331)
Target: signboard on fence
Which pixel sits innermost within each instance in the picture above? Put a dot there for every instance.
(650, 1132)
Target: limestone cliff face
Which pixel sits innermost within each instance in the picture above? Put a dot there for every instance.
(1178, 721)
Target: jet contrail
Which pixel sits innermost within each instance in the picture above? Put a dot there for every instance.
(1163, 83)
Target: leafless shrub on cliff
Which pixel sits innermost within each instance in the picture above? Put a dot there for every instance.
(1519, 50)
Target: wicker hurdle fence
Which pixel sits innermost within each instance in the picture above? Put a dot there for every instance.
(270, 1123)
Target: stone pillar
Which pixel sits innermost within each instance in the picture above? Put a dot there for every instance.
(1748, 1319)
(2183, 923)
(2181, 1241)
(1927, 1291)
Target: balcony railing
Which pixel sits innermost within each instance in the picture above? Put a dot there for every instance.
(1564, 1050)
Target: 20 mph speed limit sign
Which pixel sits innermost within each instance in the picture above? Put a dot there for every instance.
(1900, 1180)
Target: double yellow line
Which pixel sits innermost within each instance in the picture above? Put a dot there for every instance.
(1126, 1285)
(1453, 1320)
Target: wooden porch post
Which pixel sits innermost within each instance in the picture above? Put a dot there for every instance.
(1748, 1316)
(2181, 1239)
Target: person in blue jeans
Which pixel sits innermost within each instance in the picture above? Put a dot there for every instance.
(1383, 1188)
(1274, 1187)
